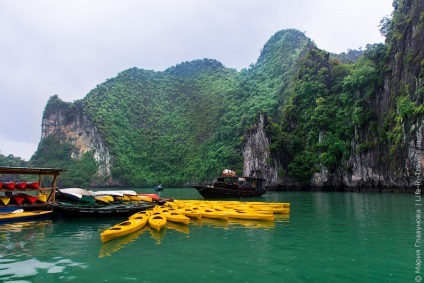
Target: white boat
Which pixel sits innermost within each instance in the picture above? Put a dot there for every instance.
(107, 193)
(128, 192)
(76, 191)
(114, 193)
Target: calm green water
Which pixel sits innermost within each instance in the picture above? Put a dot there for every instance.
(328, 237)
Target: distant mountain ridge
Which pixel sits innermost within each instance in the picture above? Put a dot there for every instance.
(298, 117)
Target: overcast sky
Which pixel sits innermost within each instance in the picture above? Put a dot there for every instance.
(67, 47)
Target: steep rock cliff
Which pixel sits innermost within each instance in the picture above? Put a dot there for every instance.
(396, 164)
(257, 160)
(393, 158)
(68, 122)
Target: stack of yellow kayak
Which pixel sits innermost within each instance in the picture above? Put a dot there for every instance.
(180, 212)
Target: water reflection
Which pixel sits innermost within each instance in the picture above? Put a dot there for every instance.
(178, 227)
(21, 237)
(11, 270)
(108, 248)
(115, 245)
(243, 223)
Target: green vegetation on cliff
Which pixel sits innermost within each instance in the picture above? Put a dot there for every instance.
(187, 123)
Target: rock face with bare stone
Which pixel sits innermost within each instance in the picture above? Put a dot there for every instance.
(380, 168)
(79, 132)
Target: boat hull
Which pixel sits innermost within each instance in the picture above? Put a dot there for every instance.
(213, 192)
(89, 211)
(25, 215)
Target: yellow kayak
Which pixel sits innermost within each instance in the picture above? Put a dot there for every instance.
(123, 228)
(250, 215)
(192, 213)
(103, 199)
(124, 198)
(42, 198)
(113, 246)
(145, 198)
(274, 209)
(5, 200)
(157, 221)
(212, 213)
(133, 198)
(176, 217)
(144, 213)
(20, 215)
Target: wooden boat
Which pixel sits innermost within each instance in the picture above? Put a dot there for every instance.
(79, 210)
(229, 186)
(157, 221)
(8, 185)
(5, 200)
(20, 185)
(33, 185)
(21, 215)
(124, 228)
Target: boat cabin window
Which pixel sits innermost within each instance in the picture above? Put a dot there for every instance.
(255, 183)
(229, 181)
